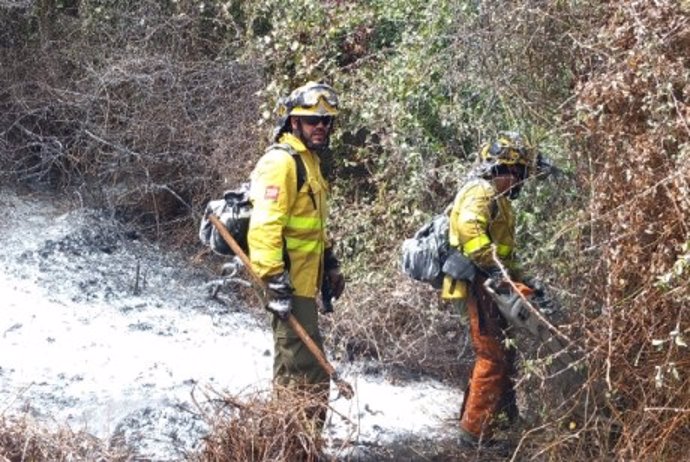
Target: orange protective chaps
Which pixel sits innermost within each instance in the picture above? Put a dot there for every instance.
(490, 389)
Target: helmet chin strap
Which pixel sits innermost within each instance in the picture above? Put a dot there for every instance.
(514, 192)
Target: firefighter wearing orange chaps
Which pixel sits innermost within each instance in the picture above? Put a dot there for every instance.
(482, 228)
(490, 389)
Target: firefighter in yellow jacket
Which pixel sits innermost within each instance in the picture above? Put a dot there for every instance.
(288, 245)
(482, 227)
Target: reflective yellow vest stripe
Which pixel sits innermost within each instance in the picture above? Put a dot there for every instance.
(475, 244)
(479, 242)
(305, 222)
(303, 245)
(503, 250)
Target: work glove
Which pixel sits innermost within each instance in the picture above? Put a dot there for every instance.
(333, 277)
(332, 286)
(330, 261)
(541, 297)
(279, 295)
(336, 282)
(495, 274)
(535, 284)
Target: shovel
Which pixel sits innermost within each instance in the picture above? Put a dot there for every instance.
(344, 388)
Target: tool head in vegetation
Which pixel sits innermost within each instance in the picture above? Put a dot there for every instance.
(315, 104)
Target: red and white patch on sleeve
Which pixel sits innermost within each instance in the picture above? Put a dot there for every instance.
(271, 193)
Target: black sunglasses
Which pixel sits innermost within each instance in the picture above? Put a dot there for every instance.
(315, 120)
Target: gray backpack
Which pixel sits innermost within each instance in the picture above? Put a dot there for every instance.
(424, 254)
(428, 256)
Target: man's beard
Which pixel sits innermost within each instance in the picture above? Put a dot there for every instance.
(316, 147)
(320, 146)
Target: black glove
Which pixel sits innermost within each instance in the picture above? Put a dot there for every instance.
(336, 282)
(279, 295)
(541, 298)
(332, 287)
(333, 277)
(534, 284)
(326, 296)
(329, 260)
(496, 275)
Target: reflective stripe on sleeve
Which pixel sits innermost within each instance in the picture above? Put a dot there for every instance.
(475, 244)
(304, 222)
(504, 250)
(305, 234)
(267, 256)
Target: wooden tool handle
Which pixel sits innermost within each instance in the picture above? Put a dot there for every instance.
(344, 387)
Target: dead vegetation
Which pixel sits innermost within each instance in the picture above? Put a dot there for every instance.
(146, 130)
(633, 140)
(23, 440)
(387, 325)
(628, 245)
(261, 427)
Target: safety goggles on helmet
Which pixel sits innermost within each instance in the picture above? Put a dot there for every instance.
(313, 99)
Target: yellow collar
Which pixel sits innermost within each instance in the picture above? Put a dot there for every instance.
(293, 141)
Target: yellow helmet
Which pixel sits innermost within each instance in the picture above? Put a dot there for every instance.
(509, 148)
(311, 98)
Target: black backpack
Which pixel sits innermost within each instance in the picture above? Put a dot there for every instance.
(235, 210)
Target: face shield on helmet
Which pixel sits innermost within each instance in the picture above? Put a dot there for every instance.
(311, 99)
(510, 148)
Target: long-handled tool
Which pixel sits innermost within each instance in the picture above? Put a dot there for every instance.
(344, 388)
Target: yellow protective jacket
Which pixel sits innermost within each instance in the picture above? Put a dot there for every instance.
(284, 219)
(480, 217)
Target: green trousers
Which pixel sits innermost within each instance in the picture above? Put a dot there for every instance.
(294, 366)
(293, 363)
